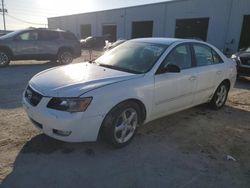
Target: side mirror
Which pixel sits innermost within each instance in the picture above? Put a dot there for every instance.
(169, 68)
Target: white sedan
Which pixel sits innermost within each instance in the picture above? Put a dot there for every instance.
(130, 85)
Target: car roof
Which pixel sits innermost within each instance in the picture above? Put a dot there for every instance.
(41, 29)
(161, 40)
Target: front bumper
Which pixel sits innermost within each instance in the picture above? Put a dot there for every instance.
(81, 128)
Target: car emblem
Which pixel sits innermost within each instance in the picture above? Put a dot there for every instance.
(29, 94)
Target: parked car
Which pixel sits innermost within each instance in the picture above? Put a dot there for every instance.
(39, 44)
(93, 42)
(132, 84)
(242, 59)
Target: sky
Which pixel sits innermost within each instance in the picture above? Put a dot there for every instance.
(25, 13)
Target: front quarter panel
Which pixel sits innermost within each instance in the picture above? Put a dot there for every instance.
(231, 71)
(105, 98)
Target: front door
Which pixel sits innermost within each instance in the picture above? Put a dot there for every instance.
(174, 91)
(26, 45)
(48, 44)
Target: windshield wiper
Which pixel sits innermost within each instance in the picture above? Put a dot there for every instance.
(119, 68)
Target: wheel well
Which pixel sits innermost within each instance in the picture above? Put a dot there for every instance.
(141, 105)
(227, 82)
(138, 102)
(6, 49)
(66, 49)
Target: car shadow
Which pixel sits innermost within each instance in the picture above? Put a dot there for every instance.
(168, 152)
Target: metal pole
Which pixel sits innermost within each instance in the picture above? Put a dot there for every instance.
(3, 15)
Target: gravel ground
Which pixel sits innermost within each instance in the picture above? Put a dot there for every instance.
(186, 149)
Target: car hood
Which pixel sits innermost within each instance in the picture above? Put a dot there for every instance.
(76, 79)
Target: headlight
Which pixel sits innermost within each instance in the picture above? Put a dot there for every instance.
(70, 104)
(233, 56)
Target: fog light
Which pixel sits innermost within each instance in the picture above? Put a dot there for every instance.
(62, 133)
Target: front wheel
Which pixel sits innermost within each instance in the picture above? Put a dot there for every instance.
(220, 96)
(119, 126)
(4, 59)
(65, 57)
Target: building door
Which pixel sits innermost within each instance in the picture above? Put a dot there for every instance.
(142, 29)
(110, 32)
(85, 30)
(192, 28)
(245, 33)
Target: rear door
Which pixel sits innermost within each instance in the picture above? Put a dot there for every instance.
(175, 91)
(209, 72)
(48, 42)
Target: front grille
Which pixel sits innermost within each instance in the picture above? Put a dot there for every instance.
(245, 61)
(32, 96)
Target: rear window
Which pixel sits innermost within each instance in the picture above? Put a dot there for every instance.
(69, 36)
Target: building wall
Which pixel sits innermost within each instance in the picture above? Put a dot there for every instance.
(115, 17)
(217, 12)
(225, 19)
(153, 12)
(239, 8)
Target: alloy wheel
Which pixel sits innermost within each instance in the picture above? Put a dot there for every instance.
(4, 59)
(66, 58)
(221, 95)
(126, 125)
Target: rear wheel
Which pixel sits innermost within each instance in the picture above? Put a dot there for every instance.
(4, 59)
(220, 96)
(119, 126)
(65, 57)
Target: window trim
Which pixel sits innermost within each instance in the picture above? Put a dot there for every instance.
(191, 54)
(218, 56)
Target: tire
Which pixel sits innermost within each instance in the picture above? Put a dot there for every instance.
(120, 124)
(65, 57)
(220, 96)
(4, 59)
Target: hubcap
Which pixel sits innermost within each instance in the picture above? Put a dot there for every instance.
(3, 58)
(221, 95)
(126, 125)
(66, 57)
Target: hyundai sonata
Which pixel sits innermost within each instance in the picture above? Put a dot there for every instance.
(134, 83)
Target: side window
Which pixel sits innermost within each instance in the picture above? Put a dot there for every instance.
(28, 36)
(203, 55)
(217, 59)
(180, 56)
(48, 35)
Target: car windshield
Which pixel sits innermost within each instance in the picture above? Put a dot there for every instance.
(11, 34)
(132, 56)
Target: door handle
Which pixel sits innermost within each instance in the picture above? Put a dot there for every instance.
(219, 72)
(192, 78)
